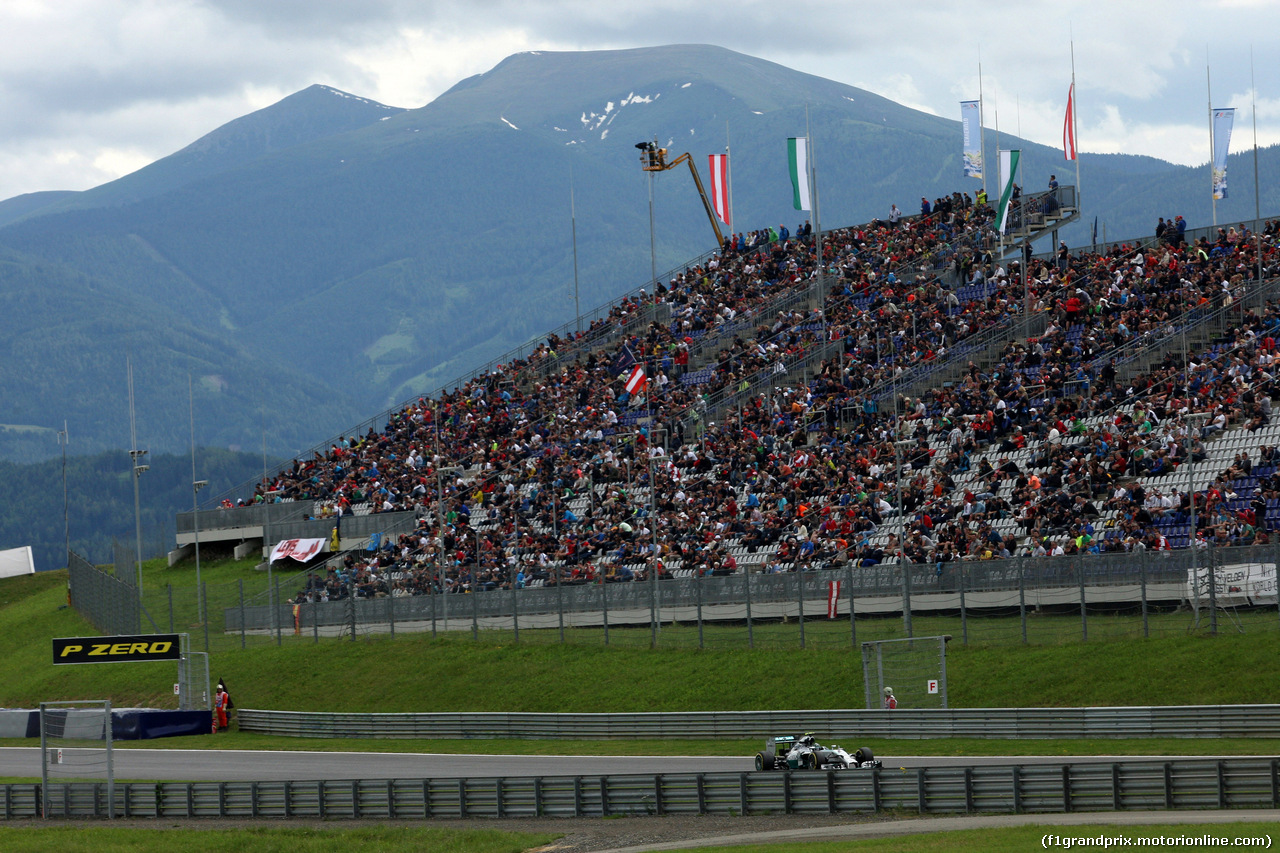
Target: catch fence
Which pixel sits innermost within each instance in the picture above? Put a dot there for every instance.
(1022, 600)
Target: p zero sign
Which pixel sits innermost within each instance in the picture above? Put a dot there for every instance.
(145, 647)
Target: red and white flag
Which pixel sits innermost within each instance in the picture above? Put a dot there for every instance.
(720, 186)
(636, 381)
(833, 596)
(1069, 125)
(301, 550)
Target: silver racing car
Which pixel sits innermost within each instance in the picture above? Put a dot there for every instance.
(804, 753)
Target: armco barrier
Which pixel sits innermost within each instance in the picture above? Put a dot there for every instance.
(1171, 721)
(1191, 784)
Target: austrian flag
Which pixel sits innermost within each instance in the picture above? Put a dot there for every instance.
(636, 381)
(833, 598)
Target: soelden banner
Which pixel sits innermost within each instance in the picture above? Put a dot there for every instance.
(1222, 121)
(971, 124)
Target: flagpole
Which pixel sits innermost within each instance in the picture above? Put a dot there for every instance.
(1208, 87)
(812, 177)
(573, 221)
(982, 129)
(1075, 124)
(1257, 202)
(728, 176)
(1000, 188)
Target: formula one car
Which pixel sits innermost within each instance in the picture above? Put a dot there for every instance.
(805, 753)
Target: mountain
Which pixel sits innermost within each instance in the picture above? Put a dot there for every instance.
(15, 208)
(323, 258)
(99, 507)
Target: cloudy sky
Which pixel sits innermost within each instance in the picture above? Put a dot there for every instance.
(94, 89)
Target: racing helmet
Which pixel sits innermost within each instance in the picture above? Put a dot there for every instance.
(888, 691)
(807, 740)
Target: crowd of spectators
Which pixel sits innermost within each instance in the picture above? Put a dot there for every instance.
(547, 471)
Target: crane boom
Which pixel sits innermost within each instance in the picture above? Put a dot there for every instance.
(654, 159)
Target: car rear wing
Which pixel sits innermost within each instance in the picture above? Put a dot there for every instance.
(780, 744)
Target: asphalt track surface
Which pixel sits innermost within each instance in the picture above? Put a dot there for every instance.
(195, 765)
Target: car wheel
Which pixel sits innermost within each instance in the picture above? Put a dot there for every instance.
(808, 761)
(764, 762)
(863, 755)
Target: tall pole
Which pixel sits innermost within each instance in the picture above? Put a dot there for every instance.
(902, 521)
(63, 439)
(982, 130)
(728, 175)
(573, 220)
(1257, 198)
(812, 178)
(653, 249)
(138, 469)
(196, 486)
(1075, 123)
(1209, 92)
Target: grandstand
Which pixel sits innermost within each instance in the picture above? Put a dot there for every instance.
(910, 397)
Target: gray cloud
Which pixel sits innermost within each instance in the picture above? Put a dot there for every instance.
(90, 87)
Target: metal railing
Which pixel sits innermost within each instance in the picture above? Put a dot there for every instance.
(1159, 721)
(1051, 788)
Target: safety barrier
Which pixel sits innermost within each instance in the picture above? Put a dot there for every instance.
(1168, 721)
(1107, 786)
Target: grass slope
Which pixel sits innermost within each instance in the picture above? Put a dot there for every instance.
(451, 673)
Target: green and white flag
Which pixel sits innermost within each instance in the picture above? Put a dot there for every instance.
(798, 161)
(1008, 171)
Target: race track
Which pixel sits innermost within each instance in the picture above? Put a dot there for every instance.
(193, 765)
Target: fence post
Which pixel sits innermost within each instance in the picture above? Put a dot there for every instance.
(853, 600)
(515, 601)
(276, 611)
(751, 639)
(800, 602)
(653, 602)
(240, 583)
(475, 608)
(905, 568)
(1146, 632)
(560, 599)
(203, 606)
(315, 620)
(391, 606)
(351, 607)
(964, 614)
(1084, 614)
(1022, 599)
(604, 607)
(697, 584)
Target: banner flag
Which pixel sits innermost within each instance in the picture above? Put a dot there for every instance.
(971, 124)
(798, 162)
(636, 381)
(1008, 171)
(1069, 125)
(719, 168)
(833, 596)
(1235, 585)
(623, 361)
(301, 550)
(1222, 121)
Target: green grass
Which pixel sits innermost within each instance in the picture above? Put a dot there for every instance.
(292, 839)
(1017, 839)
(415, 672)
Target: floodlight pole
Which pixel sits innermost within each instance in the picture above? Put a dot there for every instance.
(66, 515)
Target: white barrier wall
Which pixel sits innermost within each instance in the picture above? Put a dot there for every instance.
(17, 561)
